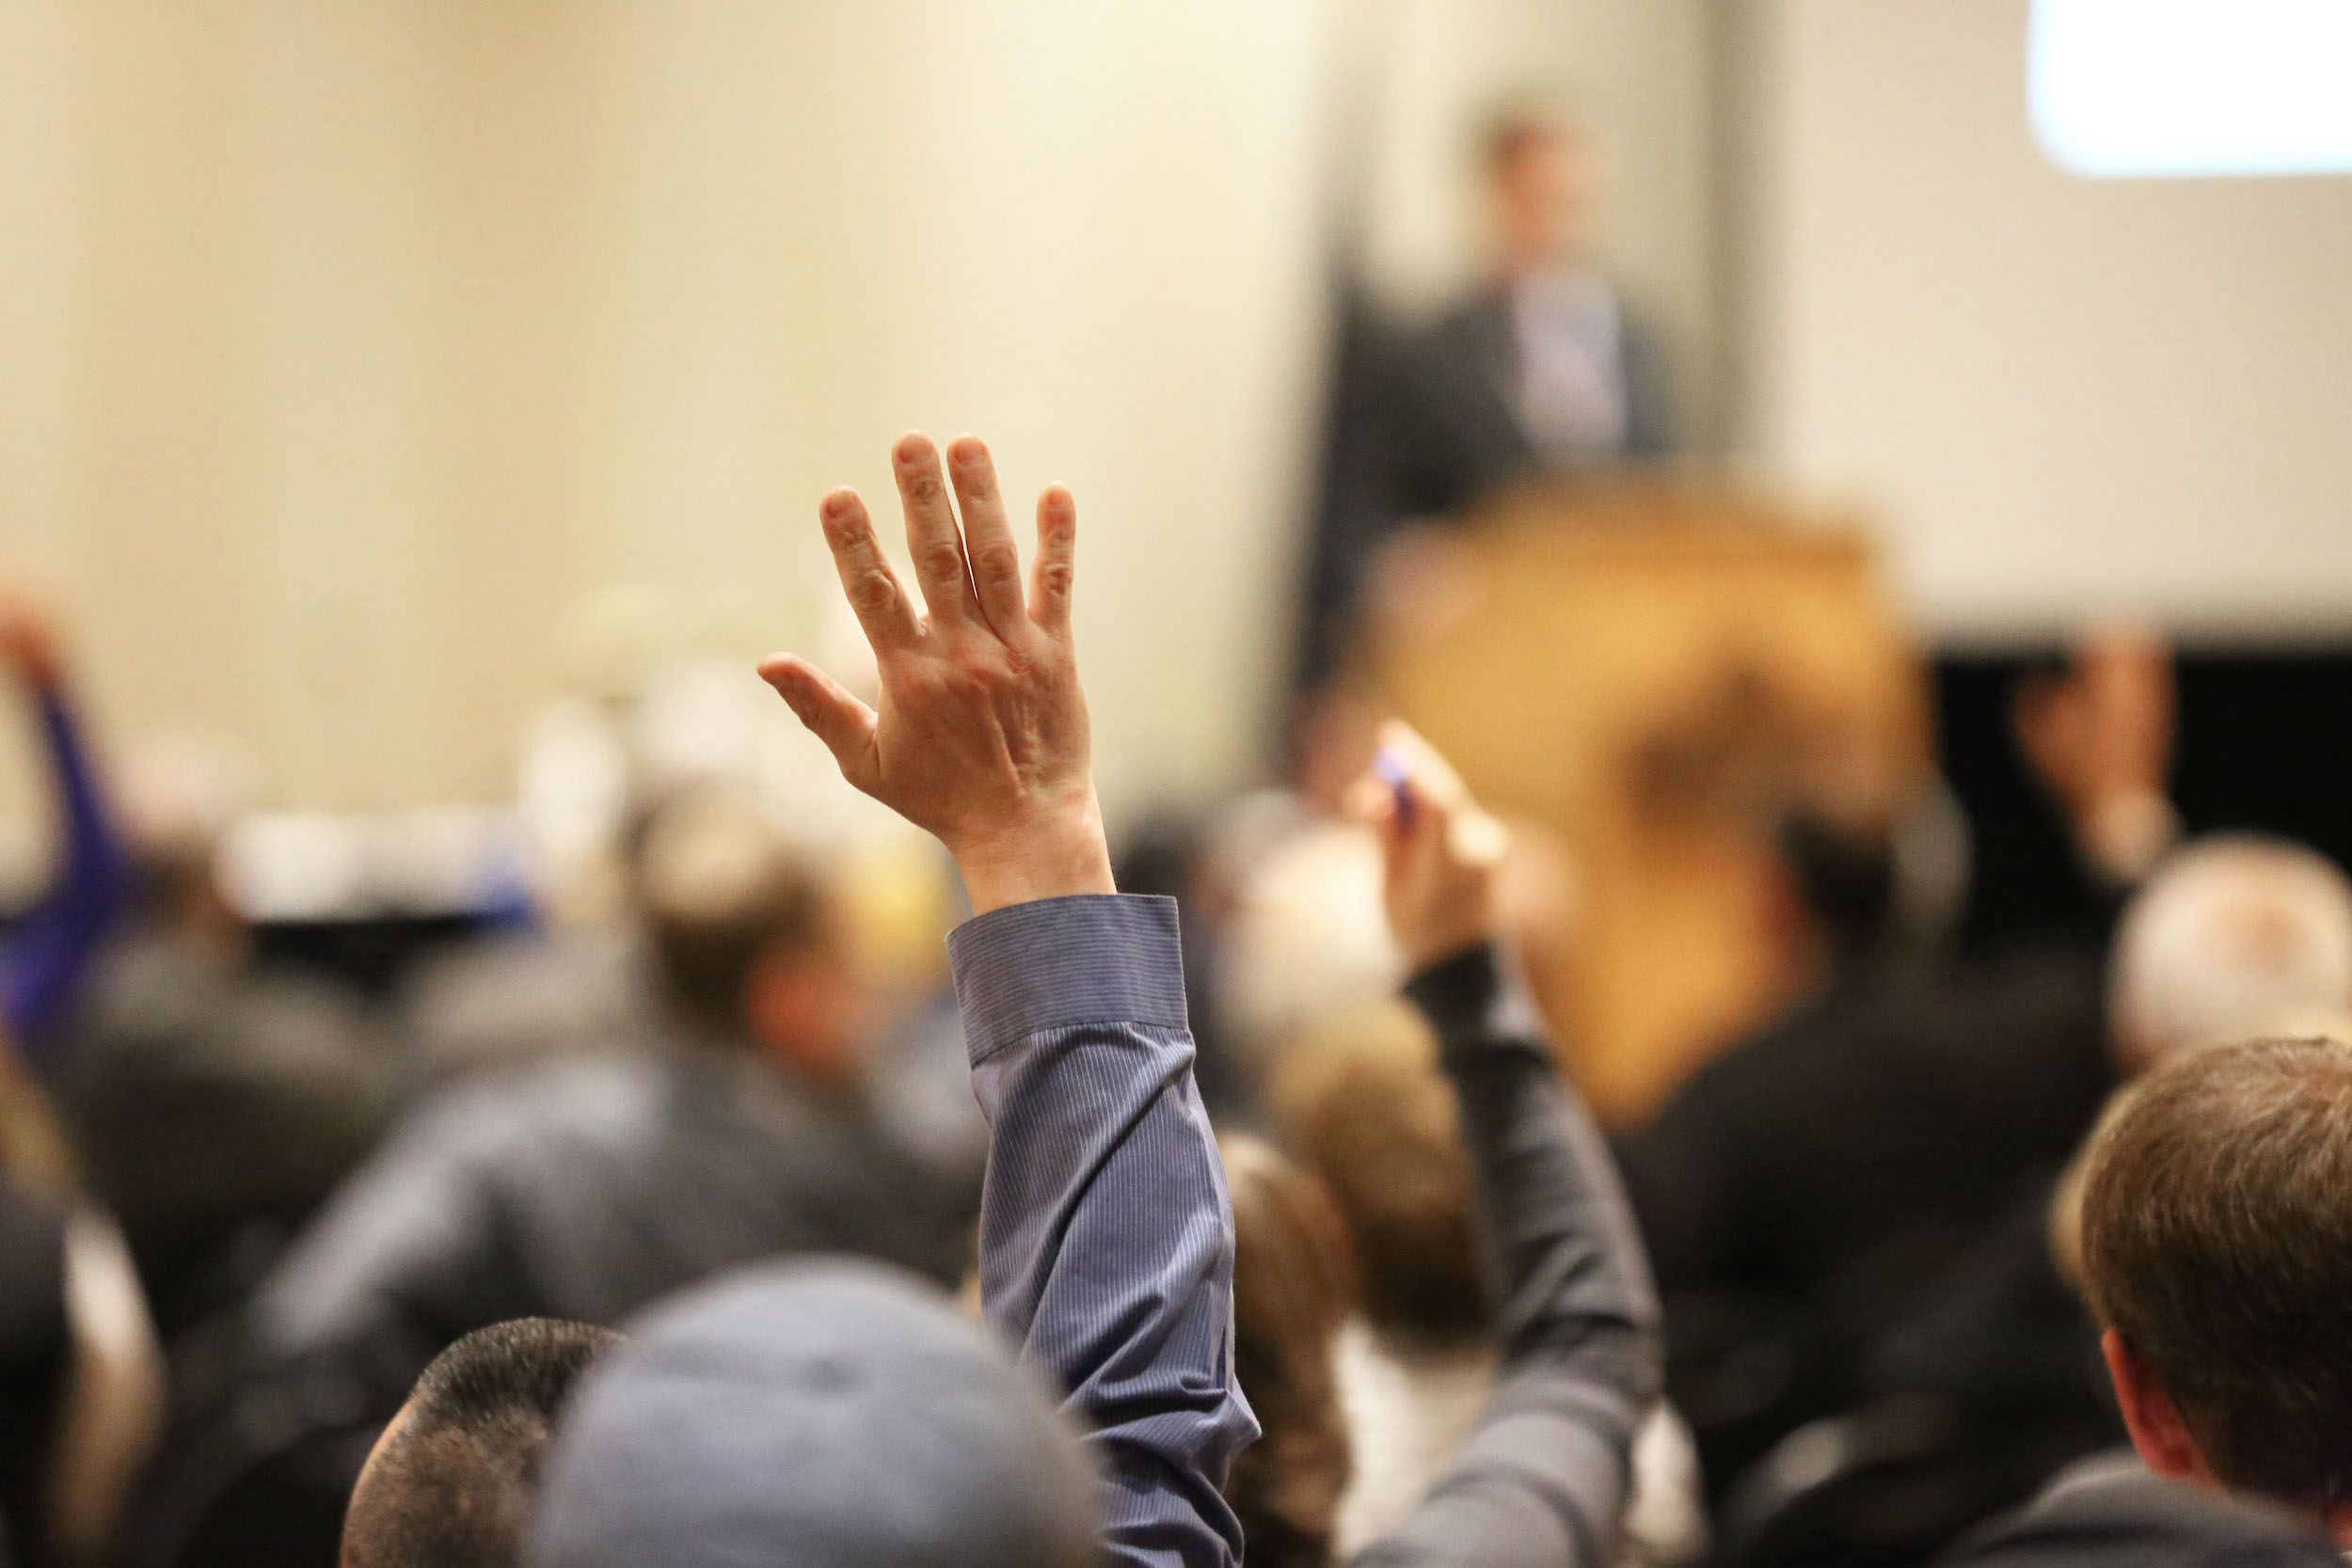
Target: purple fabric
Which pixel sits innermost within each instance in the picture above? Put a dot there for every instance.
(45, 954)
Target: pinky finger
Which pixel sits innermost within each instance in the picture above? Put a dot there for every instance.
(1051, 574)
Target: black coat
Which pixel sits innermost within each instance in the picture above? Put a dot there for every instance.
(1453, 434)
(581, 1190)
(2112, 1513)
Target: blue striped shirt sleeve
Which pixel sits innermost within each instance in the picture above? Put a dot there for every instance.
(1107, 1240)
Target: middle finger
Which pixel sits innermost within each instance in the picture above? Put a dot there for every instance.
(932, 537)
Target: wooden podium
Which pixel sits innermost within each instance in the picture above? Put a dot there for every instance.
(1653, 673)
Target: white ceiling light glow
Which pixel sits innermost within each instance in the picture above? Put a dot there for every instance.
(2175, 88)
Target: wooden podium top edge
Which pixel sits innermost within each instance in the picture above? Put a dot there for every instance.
(1662, 519)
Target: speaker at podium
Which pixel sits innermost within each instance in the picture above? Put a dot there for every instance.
(1656, 674)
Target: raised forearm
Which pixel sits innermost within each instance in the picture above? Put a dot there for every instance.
(45, 954)
(1542, 1478)
(1565, 1237)
(1105, 1238)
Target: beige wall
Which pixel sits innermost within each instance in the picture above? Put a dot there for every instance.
(2063, 396)
(342, 347)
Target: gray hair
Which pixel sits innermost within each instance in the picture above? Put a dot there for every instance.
(2232, 936)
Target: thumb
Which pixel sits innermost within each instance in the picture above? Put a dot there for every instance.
(846, 726)
(1372, 800)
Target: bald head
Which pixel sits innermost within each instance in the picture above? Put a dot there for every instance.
(455, 1477)
(2233, 936)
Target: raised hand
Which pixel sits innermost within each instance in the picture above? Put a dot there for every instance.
(1441, 852)
(2101, 738)
(980, 735)
(28, 640)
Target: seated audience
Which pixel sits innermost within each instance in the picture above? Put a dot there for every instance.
(1105, 1238)
(185, 1045)
(2095, 735)
(1797, 1190)
(577, 1189)
(2217, 1259)
(455, 1478)
(1361, 1097)
(2231, 936)
(1105, 1247)
(1543, 1472)
(80, 1377)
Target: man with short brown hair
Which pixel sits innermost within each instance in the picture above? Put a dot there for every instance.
(2217, 1250)
(2217, 1254)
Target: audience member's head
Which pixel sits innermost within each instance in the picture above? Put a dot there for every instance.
(1305, 934)
(1844, 878)
(2232, 936)
(35, 1155)
(179, 795)
(748, 938)
(455, 1478)
(2217, 1250)
(1541, 170)
(1358, 1096)
(1294, 1287)
(828, 1415)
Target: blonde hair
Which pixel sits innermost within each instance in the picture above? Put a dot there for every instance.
(1294, 1287)
(1358, 1095)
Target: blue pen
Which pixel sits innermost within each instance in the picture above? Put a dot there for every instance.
(1390, 769)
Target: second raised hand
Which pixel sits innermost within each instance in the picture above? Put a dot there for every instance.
(980, 736)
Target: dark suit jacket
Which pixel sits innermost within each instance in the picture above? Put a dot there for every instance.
(2112, 1513)
(1453, 432)
(1912, 1093)
(1805, 1187)
(1421, 424)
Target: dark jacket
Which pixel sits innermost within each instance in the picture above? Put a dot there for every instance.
(1807, 1187)
(1907, 1096)
(1454, 433)
(585, 1190)
(1421, 424)
(581, 1190)
(35, 1348)
(214, 1107)
(2113, 1513)
(1541, 1478)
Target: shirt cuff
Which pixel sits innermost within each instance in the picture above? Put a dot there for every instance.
(1475, 998)
(1097, 957)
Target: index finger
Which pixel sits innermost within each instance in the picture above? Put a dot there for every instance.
(866, 579)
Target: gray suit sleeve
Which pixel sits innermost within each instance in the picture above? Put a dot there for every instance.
(1542, 1478)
